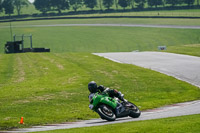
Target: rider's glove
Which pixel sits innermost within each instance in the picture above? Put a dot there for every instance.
(121, 96)
(101, 88)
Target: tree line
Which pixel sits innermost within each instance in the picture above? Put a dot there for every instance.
(44, 6)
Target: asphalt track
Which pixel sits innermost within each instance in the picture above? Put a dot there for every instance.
(181, 109)
(182, 67)
(114, 25)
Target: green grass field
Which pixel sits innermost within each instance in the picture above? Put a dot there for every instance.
(158, 21)
(193, 49)
(183, 124)
(52, 88)
(102, 39)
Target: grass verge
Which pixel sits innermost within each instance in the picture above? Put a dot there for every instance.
(102, 39)
(52, 87)
(153, 21)
(183, 124)
(192, 49)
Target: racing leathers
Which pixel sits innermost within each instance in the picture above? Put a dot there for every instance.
(112, 93)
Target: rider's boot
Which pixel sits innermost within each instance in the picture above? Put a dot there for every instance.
(119, 108)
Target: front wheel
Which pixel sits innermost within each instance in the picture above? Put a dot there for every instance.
(134, 110)
(106, 112)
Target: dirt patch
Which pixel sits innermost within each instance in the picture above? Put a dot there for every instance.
(9, 118)
(192, 45)
(115, 72)
(53, 61)
(45, 97)
(107, 74)
(20, 70)
(60, 66)
(36, 98)
(66, 94)
(22, 101)
(72, 79)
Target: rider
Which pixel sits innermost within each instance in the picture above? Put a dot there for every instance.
(93, 88)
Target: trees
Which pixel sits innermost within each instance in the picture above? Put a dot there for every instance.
(19, 4)
(59, 5)
(132, 3)
(123, 3)
(8, 6)
(140, 3)
(174, 2)
(189, 2)
(76, 4)
(116, 4)
(42, 5)
(100, 4)
(47, 5)
(154, 3)
(1, 7)
(90, 3)
(108, 3)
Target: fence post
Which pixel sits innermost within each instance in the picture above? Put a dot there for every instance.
(14, 37)
(31, 41)
(23, 43)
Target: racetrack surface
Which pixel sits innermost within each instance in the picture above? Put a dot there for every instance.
(116, 25)
(182, 67)
(180, 109)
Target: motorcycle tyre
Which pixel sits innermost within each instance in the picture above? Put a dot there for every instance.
(134, 114)
(105, 116)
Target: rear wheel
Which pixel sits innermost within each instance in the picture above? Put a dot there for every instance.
(134, 110)
(106, 112)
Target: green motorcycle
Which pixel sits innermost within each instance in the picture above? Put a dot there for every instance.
(111, 108)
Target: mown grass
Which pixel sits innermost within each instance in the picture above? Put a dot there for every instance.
(52, 87)
(102, 39)
(153, 21)
(193, 49)
(183, 124)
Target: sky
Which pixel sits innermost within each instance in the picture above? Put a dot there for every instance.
(31, 1)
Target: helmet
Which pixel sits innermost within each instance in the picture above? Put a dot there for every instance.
(92, 87)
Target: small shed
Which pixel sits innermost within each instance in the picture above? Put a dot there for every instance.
(18, 46)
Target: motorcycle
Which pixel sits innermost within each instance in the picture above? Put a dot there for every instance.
(111, 108)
